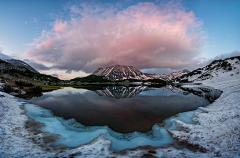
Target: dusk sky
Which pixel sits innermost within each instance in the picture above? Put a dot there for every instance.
(74, 38)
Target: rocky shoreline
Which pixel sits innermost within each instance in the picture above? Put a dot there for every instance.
(216, 133)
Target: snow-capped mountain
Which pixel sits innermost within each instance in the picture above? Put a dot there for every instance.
(218, 69)
(157, 76)
(21, 63)
(121, 72)
(169, 77)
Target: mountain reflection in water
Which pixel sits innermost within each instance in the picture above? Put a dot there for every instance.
(123, 109)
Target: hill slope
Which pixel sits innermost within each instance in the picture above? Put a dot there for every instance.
(217, 128)
(13, 72)
(22, 64)
(218, 69)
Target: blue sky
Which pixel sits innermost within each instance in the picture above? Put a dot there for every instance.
(23, 21)
(221, 21)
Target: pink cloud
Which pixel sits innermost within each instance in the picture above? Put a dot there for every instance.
(60, 26)
(143, 35)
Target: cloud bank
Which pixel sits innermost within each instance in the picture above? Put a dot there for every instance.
(145, 35)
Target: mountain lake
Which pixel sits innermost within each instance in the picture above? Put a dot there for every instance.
(129, 116)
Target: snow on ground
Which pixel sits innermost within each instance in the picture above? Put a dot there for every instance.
(218, 129)
(217, 132)
(14, 138)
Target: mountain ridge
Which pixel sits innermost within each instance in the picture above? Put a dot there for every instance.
(170, 76)
(221, 69)
(122, 72)
(21, 63)
(13, 72)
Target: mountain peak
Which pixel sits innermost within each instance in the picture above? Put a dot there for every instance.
(120, 72)
(185, 71)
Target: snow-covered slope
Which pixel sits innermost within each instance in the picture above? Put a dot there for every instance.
(218, 69)
(121, 72)
(177, 74)
(21, 63)
(217, 129)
